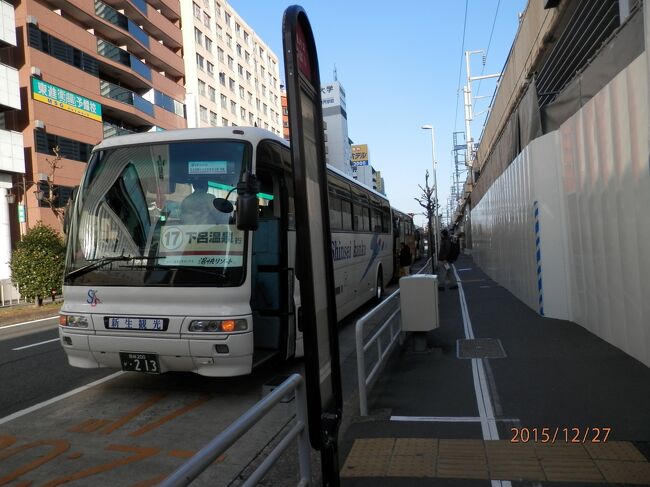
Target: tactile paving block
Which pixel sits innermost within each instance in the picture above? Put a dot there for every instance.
(616, 471)
(614, 450)
(418, 465)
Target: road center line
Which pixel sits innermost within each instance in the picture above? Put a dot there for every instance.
(40, 405)
(36, 344)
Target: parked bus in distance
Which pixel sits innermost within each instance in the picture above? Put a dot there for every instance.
(403, 232)
(159, 278)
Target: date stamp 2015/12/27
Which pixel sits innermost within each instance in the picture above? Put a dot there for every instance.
(560, 434)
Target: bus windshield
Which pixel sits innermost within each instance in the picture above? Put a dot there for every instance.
(145, 217)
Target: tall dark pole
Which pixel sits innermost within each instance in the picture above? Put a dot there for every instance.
(314, 262)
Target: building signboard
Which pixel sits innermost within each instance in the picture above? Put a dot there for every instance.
(359, 155)
(66, 100)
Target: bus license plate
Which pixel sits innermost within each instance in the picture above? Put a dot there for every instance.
(140, 362)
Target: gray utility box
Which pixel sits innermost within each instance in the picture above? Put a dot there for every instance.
(419, 301)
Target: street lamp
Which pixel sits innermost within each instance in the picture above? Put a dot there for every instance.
(434, 254)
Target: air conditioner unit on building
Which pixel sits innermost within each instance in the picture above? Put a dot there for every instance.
(32, 20)
(39, 124)
(36, 71)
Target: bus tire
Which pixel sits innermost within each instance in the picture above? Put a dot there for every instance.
(379, 288)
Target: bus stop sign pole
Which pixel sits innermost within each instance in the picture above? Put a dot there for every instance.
(314, 261)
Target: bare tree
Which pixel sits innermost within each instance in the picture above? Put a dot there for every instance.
(48, 194)
(427, 201)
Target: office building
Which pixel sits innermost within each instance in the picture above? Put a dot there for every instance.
(89, 70)
(337, 144)
(232, 76)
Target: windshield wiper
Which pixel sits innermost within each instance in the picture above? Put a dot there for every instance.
(99, 263)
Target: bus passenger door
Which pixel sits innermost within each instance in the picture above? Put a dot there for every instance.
(272, 278)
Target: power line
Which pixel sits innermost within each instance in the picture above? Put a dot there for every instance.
(460, 66)
(487, 51)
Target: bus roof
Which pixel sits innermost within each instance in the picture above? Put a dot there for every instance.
(252, 134)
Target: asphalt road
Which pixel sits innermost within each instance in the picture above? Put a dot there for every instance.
(60, 424)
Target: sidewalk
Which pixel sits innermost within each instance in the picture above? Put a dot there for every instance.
(18, 313)
(578, 407)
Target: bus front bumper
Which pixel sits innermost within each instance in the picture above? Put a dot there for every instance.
(204, 356)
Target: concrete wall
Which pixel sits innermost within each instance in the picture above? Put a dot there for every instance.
(573, 209)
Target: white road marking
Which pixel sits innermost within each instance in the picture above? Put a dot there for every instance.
(40, 405)
(28, 322)
(483, 401)
(36, 344)
(445, 419)
(463, 270)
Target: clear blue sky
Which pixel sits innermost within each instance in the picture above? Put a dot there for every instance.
(399, 64)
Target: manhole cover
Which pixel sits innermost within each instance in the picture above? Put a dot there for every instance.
(480, 348)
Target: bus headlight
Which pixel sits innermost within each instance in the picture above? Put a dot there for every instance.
(73, 321)
(218, 325)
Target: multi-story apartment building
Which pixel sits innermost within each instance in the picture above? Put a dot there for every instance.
(12, 158)
(232, 77)
(89, 69)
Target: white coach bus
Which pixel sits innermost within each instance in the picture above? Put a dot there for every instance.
(158, 277)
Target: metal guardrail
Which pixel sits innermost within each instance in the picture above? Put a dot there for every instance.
(9, 293)
(394, 327)
(191, 469)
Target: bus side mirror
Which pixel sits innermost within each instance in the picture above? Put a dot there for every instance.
(247, 211)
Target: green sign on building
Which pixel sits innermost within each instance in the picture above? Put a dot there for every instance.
(66, 100)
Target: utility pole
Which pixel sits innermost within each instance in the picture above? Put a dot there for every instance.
(469, 112)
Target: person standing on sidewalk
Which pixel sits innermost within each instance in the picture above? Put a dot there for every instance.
(445, 258)
(404, 260)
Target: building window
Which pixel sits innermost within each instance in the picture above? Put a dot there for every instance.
(58, 49)
(213, 119)
(201, 88)
(210, 69)
(213, 93)
(222, 78)
(250, 97)
(241, 93)
(265, 109)
(219, 32)
(206, 4)
(233, 108)
(220, 54)
(242, 113)
(240, 70)
(251, 118)
(224, 122)
(248, 76)
(206, 20)
(197, 11)
(227, 18)
(200, 62)
(70, 149)
(239, 50)
(224, 101)
(237, 28)
(204, 113)
(231, 63)
(247, 57)
(231, 84)
(198, 36)
(208, 44)
(229, 40)
(246, 38)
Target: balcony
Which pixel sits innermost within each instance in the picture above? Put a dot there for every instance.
(114, 53)
(114, 92)
(111, 15)
(155, 23)
(114, 26)
(110, 130)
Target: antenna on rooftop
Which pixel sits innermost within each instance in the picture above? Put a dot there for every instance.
(335, 77)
